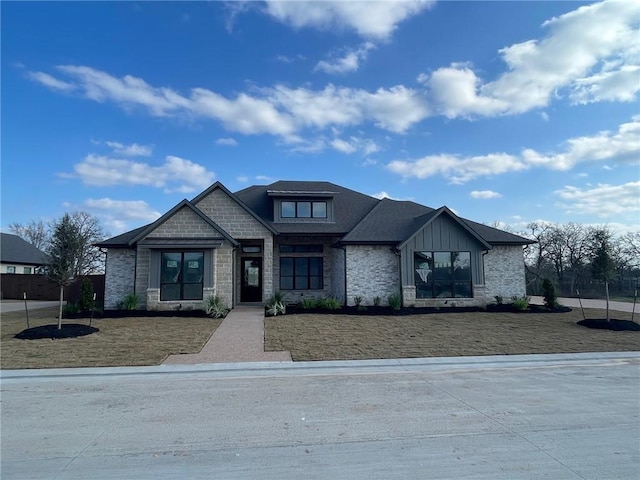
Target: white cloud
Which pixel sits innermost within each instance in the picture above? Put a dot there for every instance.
(602, 200)
(242, 179)
(368, 19)
(348, 62)
(229, 142)
(175, 175)
(133, 150)
(619, 147)
(51, 82)
(457, 169)
(119, 216)
(592, 51)
(484, 194)
(354, 144)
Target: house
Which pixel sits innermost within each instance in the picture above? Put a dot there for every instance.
(19, 256)
(311, 239)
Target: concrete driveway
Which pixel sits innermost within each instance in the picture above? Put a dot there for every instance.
(572, 417)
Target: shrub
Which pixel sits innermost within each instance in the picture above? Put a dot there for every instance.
(376, 301)
(130, 302)
(276, 305)
(549, 293)
(331, 303)
(395, 301)
(520, 303)
(499, 299)
(357, 300)
(86, 295)
(308, 303)
(70, 309)
(215, 307)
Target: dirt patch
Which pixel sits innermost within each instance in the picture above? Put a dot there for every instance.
(128, 341)
(360, 337)
(617, 325)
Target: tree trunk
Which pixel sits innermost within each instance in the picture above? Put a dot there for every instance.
(606, 289)
(60, 309)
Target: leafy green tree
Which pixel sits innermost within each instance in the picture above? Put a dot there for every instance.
(63, 251)
(602, 264)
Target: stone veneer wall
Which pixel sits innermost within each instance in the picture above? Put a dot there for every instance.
(504, 272)
(372, 271)
(235, 220)
(119, 275)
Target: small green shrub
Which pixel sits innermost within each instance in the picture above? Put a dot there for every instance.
(549, 293)
(86, 295)
(499, 299)
(130, 302)
(395, 301)
(276, 305)
(215, 307)
(70, 309)
(520, 303)
(308, 303)
(376, 301)
(357, 300)
(331, 303)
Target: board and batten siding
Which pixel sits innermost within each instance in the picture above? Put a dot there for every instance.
(442, 235)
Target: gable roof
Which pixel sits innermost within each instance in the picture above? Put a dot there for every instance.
(349, 206)
(183, 204)
(14, 249)
(238, 200)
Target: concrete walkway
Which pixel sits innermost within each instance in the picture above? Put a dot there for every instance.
(591, 303)
(7, 306)
(240, 338)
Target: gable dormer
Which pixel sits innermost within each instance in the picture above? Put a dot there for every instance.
(303, 206)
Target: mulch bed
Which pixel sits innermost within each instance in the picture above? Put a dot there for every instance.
(138, 314)
(68, 330)
(617, 325)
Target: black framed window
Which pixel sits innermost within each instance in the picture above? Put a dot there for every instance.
(443, 274)
(303, 209)
(181, 275)
(301, 273)
(300, 248)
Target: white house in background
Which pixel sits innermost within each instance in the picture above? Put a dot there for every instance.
(19, 256)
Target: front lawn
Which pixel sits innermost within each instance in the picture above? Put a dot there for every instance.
(354, 337)
(120, 342)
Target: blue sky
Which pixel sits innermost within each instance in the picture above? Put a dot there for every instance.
(506, 112)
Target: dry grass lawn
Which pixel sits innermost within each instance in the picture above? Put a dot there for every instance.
(352, 337)
(120, 341)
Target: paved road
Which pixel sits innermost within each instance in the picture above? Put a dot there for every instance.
(520, 417)
(18, 305)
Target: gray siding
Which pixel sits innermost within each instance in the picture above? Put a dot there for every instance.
(442, 235)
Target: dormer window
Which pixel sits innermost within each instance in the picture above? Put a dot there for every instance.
(303, 209)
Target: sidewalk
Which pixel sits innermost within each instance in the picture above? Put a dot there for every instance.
(240, 338)
(591, 303)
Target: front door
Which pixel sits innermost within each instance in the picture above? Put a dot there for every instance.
(251, 277)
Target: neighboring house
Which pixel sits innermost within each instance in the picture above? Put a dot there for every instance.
(19, 256)
(311, 239)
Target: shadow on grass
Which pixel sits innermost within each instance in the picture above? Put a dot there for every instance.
(617, 325)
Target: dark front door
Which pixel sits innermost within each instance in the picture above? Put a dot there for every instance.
(251, 290)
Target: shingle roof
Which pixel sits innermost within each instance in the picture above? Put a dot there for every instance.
(14, 249)
(349, 206)
(359, 218)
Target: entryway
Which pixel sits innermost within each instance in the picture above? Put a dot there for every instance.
(251, 279)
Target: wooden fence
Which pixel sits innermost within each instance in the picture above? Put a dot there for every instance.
(39, 287)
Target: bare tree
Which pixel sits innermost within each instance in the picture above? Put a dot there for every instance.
(89, 259)
(37, 234)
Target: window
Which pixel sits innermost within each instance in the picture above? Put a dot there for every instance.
(301, 273)
(181, 275)
(300, 248)
(303, 209)
(27, 270)
(443, 274)
(252, 249)
(11, 269)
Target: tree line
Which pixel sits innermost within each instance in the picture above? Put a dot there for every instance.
(585, 259)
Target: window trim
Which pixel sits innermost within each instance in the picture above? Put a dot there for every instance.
(181, 281)
(309, 276)
(452, 283)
